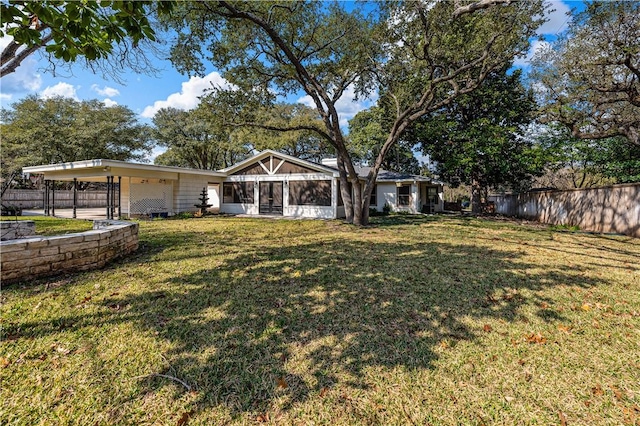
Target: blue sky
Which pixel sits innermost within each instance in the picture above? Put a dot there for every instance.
(146, 94)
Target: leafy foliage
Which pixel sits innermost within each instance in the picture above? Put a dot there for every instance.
(68, 30)
(580, 163)
(46, 131)
(196, 139)
(589, 79)
(367, 134)
(476, 140)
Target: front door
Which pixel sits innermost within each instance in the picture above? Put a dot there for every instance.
(270, 197)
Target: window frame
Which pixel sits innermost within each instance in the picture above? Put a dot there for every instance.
(400, 196)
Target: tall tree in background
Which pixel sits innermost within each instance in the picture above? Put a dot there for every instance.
(418, 56)
(105, 33)
(582, 163)
(46, 131)
(476, 140)
(304, 143)
(196, 139)
(367, 135)
(589, 79)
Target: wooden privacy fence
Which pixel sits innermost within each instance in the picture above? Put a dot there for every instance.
(608, 209)
(34, 199)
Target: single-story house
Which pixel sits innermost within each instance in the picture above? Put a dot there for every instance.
(269, 183)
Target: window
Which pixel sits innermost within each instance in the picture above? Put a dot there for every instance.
(404, 195)
(310, 193)
(432, 194)
(237, 192)
(373, 201)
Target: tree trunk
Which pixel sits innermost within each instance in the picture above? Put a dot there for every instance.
(476, 201)
(344, 191)
(357, 202)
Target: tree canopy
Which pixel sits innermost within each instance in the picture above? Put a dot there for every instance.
(46, 131)
(581, 163)
(196, 139)
(417, 56)
(96, 30)
(589, 79)
(477, 139)
(367, 135)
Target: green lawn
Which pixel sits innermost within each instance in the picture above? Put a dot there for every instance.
(47, 225)
(415, 320)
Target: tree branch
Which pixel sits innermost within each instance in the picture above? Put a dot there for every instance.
(472, 7)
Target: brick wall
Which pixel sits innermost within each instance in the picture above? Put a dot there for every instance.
(40, 256)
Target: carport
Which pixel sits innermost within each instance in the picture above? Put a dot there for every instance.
(133, 189)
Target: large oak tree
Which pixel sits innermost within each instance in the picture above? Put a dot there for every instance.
(47, 131)
(418, 57)
(589, 79)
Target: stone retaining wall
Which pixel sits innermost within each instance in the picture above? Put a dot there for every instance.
(39, 256)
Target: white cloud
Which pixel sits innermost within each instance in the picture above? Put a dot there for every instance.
(558, 18)
(25, 78)
(109, 102)
(5, 98)
(187, 98)
(347, 106)
(106, 91)
(65, 90)
(524, 61)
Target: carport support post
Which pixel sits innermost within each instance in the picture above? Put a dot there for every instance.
(108, 196)
(45, 198)
(53, 198)
(75, 196)
(119, 197)
(113, 196)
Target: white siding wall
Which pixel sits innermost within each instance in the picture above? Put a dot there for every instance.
(387, 194)
(125, 195)
(186, 192)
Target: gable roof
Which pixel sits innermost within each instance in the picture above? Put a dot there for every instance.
(268, 152)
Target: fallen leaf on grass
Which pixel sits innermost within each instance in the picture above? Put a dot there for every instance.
(323, 392)
(262, 418)
(184, 418)
(487, 328)
(616, 392)
(585, 307)
(597, 390)
(61, 349)
(536, 338)
(521, 361)
(4, 362)
(444, 344)
(544, 305)
(564, 328)
(631, 415)
(86, 299)
(563, 418)
(282, 384)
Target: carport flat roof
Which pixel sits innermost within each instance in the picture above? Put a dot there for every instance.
(85, 165)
